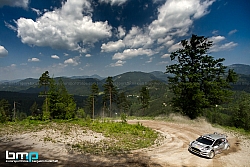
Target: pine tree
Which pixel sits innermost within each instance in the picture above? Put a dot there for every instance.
(44, 81)
(110, 93)
(61, 104)
(5, 111)
(94, 93)
(53, 101)
(144, 97)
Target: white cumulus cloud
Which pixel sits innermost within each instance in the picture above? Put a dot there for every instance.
(226, 46)
(121, 32)
(217, 39)
(55, 57)
(114, 2)
(15, 3)
(3, 52)
(113, 46)
(70, 27)
(165, 56)
(218, 46)
(34, 59)
(175, 47)
(130, 53)
(176, 17)
(119, 63)
(137, 38)
(73, 61)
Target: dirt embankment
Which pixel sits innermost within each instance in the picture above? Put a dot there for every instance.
(171, 150)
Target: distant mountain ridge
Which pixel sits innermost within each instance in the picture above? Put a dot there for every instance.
(72, 77)
(135, 78)
(81, 85)
(240, 68)
(83, 77)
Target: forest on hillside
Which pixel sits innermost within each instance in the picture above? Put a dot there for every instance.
(199, 86)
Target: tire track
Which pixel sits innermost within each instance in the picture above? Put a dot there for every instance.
(177, 136)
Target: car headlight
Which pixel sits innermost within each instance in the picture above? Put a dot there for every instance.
(206, 148)
(190, 144)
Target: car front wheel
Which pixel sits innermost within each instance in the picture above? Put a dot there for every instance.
(211, 154)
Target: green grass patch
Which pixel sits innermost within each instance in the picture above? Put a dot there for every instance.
(120, 137)
(123, 137)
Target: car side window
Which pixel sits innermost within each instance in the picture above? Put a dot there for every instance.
(220, 141)
(217, 142)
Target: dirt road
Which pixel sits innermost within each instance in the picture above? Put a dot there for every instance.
(170, 151)
(173, 149)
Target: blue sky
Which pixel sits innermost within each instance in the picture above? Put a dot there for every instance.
(110, 37)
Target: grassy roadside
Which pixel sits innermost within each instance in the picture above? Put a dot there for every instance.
(177, 118)
(238, 132)
(119, 137)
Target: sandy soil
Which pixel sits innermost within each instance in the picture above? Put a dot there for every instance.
(177, 136)
(171, 149)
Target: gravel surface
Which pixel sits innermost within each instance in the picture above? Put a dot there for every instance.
(169, 150)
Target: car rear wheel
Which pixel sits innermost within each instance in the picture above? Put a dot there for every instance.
(211, 154)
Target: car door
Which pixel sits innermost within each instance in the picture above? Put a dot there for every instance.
(216, 146)
(222, 146)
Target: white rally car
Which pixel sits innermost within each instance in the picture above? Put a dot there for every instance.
(209, 145)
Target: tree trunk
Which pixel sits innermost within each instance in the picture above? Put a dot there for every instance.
(93, 105)
(110, 101)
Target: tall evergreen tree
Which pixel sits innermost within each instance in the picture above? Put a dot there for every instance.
(44, 81)
(110, 93)
(94, 93)
(199, 81)
(61, 104)
(5, 111)
(53, 100)
(144, 97)
(58, 103)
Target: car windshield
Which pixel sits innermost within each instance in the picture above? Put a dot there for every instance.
(205, 141)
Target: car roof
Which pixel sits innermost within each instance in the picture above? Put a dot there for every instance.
(214, 136)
